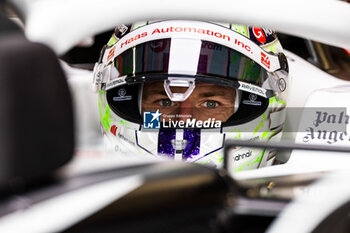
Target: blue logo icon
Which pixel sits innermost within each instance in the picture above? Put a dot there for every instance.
(151, 120)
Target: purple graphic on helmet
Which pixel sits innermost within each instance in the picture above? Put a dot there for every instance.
(164, 142)
(193, 137)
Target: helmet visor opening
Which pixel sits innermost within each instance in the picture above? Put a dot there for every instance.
(211, 100)
(216, 60)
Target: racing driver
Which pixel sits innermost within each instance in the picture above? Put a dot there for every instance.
(179, 89)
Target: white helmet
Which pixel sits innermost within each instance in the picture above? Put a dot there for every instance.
(179, 89)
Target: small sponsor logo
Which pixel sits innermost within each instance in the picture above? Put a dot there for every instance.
(262, 35)
(252, 97)
(110, 54)
(132, 39)
(282, 84)
(114, 130)
(253, 89)
(122, 95)
(151, 120)
(121, 92)
(243, 156)
(122, 137)
(259, 35)
(265, 60)
(118, 82)
(252, 100)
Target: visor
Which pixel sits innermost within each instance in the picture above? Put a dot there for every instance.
(195, 88)
(177, 59)
(211, 60)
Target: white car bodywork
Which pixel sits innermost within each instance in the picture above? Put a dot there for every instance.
(79, 19)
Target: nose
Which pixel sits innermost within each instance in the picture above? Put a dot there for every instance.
(186, 110)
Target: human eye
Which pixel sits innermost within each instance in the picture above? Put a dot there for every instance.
(210, 104)
(166, 103)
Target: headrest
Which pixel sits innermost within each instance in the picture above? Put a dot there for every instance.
(36, 117)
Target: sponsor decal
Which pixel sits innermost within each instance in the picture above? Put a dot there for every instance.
(252, 89)
(110, 54)
(135, 38)
(204, 32)
(151, 120)
(262, 35)
(114, 130)
(243, 156)
(121, 92)
(252, 97)
(126, 139)
(265, 60)
(254, 138)
(259, 35)
(122, 95)
(282, 84)
(158, 31)
(192, 30)
(252, 100)
(117, 82)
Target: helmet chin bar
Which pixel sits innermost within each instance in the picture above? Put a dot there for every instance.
(179, 82)
(179, 146)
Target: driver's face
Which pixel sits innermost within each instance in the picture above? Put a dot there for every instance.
(206, 101)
